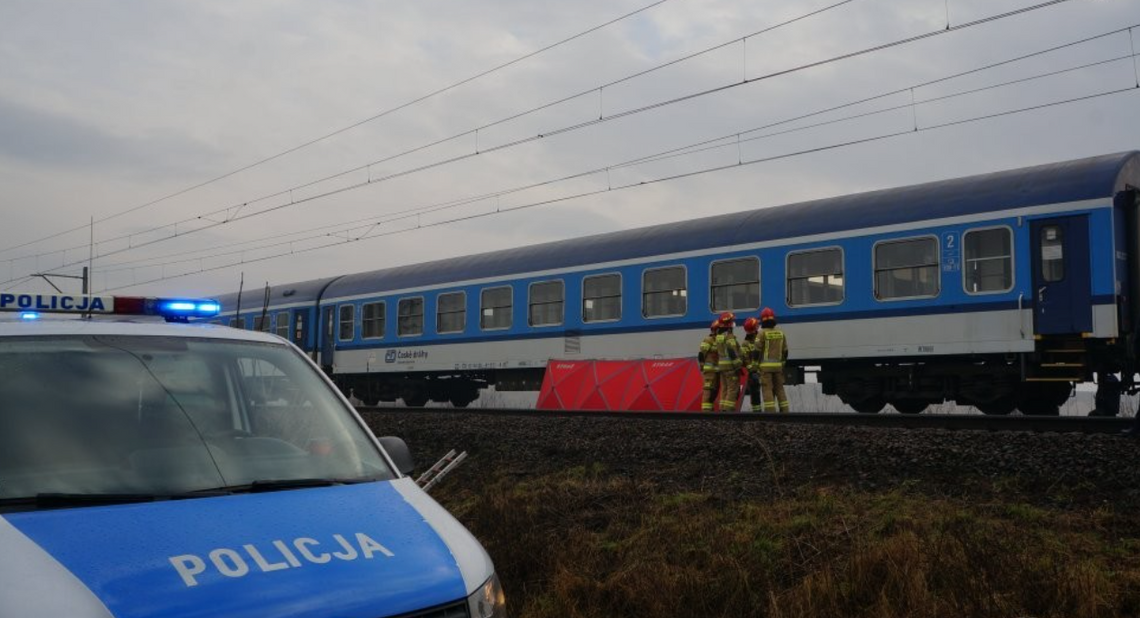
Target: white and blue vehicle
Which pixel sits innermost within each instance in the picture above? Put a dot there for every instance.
(178, 470)
(1000, 291)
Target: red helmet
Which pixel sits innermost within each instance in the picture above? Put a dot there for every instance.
(751, 325)
(767, 314)
(727, 319)
(715, 325)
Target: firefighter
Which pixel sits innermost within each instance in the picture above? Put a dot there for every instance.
(773, 354)
(729, 361)
(750, 350)
(707, 358)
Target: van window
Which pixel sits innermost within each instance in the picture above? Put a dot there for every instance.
(495, 308)
(372, 321)
(1052, 253)
(734, 285)
(988, 260)
(410, 318)
(815, 277)
(167, 415)
(451, 312)
(601, 298)
(547, 300)
(664, 292)
(906, 269)
(282, 324)
(347, 322)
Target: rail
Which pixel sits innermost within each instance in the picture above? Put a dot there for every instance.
(1054, 424)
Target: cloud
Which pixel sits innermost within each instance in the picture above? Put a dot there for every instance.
(36, 137)
(105, 106)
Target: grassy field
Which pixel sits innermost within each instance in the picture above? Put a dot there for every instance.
(589, 543)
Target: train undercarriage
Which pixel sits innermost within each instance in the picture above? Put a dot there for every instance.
(416, 389)
(1036, 383)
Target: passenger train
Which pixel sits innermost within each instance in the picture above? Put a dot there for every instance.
(1000, 291)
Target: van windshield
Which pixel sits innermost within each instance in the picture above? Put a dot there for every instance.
(167, 416)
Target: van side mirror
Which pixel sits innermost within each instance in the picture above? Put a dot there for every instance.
(397, 449)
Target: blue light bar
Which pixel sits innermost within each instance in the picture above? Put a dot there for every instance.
(181, 308)
(31, 305)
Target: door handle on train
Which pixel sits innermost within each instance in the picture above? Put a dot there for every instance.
(1041, 294)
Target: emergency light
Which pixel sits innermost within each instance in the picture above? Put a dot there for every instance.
(173, 309)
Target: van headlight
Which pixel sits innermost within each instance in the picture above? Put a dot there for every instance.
(488, 601)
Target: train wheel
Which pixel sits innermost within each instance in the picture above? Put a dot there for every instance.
(463, 399)
(1039, 407)
(999, 407)
(874, 405)
(910, 406)
(415, 399)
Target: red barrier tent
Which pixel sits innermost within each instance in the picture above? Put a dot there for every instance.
(672, 384)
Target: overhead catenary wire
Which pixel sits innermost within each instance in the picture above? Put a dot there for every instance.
(350, 127)
(707, 145)
(701, 146)
(644, 183)
(230, 213)
(542, 135)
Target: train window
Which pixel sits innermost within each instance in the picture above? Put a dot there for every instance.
(410, 318)
(238, 323)
(451, 312)
(988, 260)
(664, 292)
(261, 323)
(815, 277)
(906, 268)
(1052, 253)
(601, 298)
(735, 285)
(282, 324)
(347, 323)
(495, 308)
(372, 321)
(546, 303)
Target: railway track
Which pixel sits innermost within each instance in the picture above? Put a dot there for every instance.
(1041, 424)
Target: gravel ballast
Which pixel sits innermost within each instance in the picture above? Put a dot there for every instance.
(746, 460)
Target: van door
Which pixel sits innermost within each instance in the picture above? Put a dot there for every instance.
(1062, 302)
(326, 332)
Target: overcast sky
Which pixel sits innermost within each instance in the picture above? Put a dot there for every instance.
(108, 106)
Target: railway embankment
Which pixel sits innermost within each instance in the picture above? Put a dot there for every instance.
(758, 460)
(603, 517)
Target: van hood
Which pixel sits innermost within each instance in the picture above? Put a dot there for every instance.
(363, 551)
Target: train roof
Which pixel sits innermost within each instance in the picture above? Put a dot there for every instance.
(1067, 181)
(253, 298)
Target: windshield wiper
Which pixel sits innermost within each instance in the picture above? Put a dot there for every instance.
(61, 500)
(278, 484)
(58, 500)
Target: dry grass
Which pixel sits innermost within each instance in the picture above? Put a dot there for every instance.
(586, 543)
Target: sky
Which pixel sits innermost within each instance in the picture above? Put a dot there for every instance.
(143, 126)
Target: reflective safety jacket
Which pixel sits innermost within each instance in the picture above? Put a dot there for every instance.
(708, 354)
(729, 356)
(774, 350)
(750, 352)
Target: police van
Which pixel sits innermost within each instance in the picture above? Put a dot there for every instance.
(152, 468)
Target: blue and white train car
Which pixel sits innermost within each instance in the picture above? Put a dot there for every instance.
(1001, 290)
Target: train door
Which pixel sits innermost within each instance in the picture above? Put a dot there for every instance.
(1061, 276)
(326, 332)
(301, 329)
